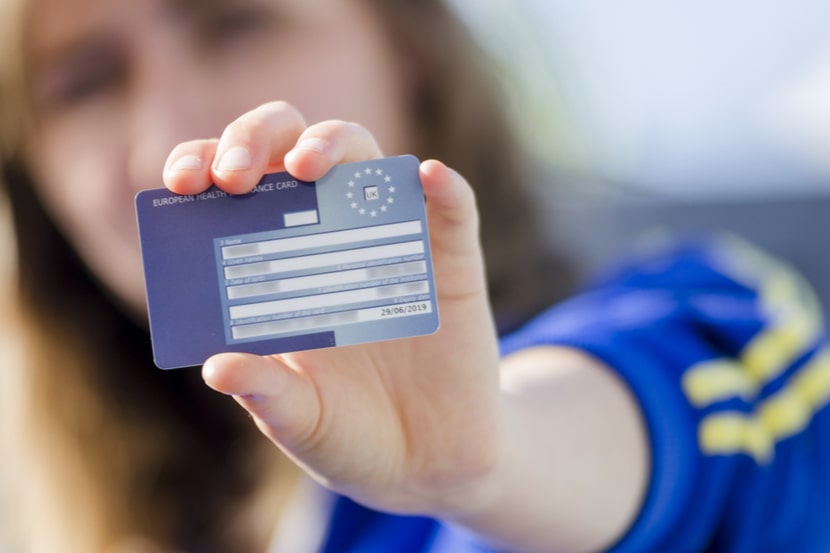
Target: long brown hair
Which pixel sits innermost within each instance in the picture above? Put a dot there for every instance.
(107, 446)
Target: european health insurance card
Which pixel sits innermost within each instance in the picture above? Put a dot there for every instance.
(290, 266)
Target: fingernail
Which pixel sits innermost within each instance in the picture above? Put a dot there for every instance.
(186, 163)
(313, 144)
(235, 159)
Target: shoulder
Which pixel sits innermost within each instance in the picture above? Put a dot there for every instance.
(724, 348)
(725, 287)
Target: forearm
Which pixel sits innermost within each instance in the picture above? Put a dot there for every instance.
(574, 468)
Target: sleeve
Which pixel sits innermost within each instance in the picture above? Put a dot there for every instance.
(724, 349)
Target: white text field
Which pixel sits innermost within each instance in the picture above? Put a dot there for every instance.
(317, 261)
(309, 324)
(323, 280)
(323, 239)
(291, 305)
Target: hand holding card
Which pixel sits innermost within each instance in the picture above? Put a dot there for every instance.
(411, 424)
(289, 266)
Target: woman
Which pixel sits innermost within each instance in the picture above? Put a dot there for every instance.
(112, 88)
(544, 449)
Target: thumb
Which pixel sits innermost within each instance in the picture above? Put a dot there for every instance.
(451, 205)
(453, 230)
(283, 401)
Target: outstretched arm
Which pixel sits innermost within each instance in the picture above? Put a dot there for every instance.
(541, 451)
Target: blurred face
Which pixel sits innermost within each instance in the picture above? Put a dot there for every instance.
(118, 83)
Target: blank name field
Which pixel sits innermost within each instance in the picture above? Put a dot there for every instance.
(327, 300)
(321, 260)
(338, 278)
(323, 239)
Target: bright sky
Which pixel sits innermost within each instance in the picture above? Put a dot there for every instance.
(689, 98)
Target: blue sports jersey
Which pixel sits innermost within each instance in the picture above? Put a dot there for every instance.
(725, 350)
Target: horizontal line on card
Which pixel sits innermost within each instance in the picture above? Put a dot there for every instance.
(318, 261)
(336, 278)
(331, 319)
(276, 307)
(323, 239)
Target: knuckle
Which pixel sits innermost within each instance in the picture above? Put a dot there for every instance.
(341, 128)
(264, 119)
(283, 112)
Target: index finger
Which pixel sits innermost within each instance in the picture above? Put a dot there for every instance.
(250, 146)
(326, 144)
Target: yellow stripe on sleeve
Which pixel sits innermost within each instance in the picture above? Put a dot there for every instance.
(813, 382)
(794, 325)
(716, 380)
(784, 414)
(726, 433)
(781, 415)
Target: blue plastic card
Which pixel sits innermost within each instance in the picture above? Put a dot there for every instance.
(291, 266)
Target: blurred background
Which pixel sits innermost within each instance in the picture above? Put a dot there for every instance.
(702, 116)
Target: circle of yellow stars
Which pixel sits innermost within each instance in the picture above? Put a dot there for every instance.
(366, 179)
